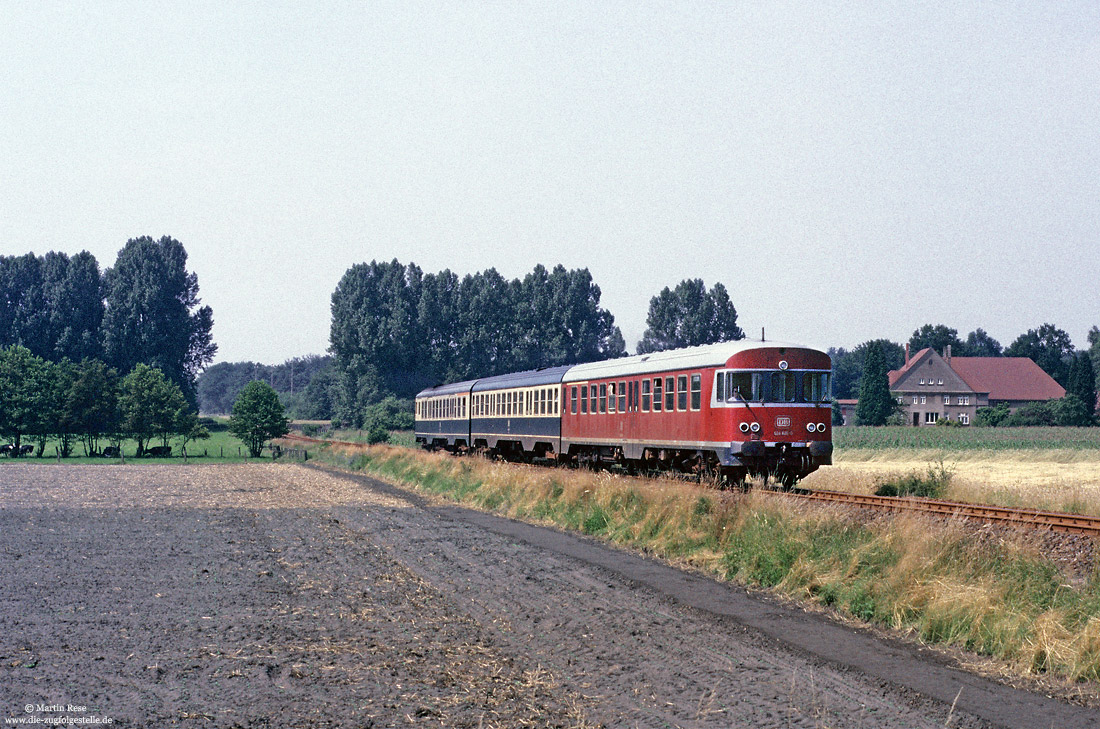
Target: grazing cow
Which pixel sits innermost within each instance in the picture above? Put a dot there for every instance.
(158, 451)
(7, 449)
(26, 450)
(111, 452)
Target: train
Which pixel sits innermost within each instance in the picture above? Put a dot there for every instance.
(728, 410)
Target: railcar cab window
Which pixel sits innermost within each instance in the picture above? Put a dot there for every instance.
(783, 387)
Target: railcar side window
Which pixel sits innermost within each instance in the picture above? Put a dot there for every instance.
(645, 396)
(603, 398)
(696, 391)
(670, 393)
(557, 400)
(783, 387)
(622, 397)
(584, 399)
(611, 397)
(594, 399)
(658, 397)
(682, 392)
(573, 400)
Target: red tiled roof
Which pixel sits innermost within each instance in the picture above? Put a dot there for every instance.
(1007, 378)
(895, 375)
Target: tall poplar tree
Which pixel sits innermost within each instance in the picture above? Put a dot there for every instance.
(153, 314)
(689, 315)
(875, 404)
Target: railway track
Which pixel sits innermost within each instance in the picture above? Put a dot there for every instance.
(1032, 518)
(1055, 521)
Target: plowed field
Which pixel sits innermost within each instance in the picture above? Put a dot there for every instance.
(280, 595)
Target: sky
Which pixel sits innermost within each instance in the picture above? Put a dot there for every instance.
(847, 170)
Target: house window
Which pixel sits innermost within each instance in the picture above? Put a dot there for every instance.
(923, 399)
(964, 418)
(658, 396)
(964, 399)
(939, 382)
(696, 392)
(931, 417)
(645, 396)
(922, 380)
(915, 399)
(946, 399)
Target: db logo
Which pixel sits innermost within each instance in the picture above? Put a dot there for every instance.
(782, 422)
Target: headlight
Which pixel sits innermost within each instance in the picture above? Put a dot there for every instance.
(811, 427)
(821, 427)
(744, 427)
(755, 427)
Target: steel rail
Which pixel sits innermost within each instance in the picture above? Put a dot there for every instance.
(1032, 518)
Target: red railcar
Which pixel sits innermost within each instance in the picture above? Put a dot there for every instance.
(731, 409)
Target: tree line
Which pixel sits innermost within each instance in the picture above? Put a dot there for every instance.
(89, 403)
(144, 309)
(396, 330)
(864, 371)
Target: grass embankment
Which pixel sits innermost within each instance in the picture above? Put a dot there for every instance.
(928, 579)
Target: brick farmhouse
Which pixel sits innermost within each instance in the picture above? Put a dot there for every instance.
(931, 387)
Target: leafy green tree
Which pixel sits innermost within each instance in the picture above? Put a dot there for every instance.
(689, 315)
(150, 406)
(1094, 352)
(875, 403)
(23, 311)
(848, 365)
(937, 337)
(992, 416)
(1082, 384)
(1049, 347)
(258, 416)
(153, 314)
(92, 404)
(980, 344)
(25, 397)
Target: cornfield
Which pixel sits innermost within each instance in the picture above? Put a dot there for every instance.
(965, 439)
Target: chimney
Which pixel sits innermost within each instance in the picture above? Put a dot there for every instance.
(947, 355)
(907, 354)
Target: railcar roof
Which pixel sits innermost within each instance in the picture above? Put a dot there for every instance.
(707, 355)
(455, 388)
(530, 378)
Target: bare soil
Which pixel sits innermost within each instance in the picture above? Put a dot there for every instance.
(280, 595)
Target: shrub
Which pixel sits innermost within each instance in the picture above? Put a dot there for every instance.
(930, 485)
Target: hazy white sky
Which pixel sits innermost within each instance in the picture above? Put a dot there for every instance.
(847, 170)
